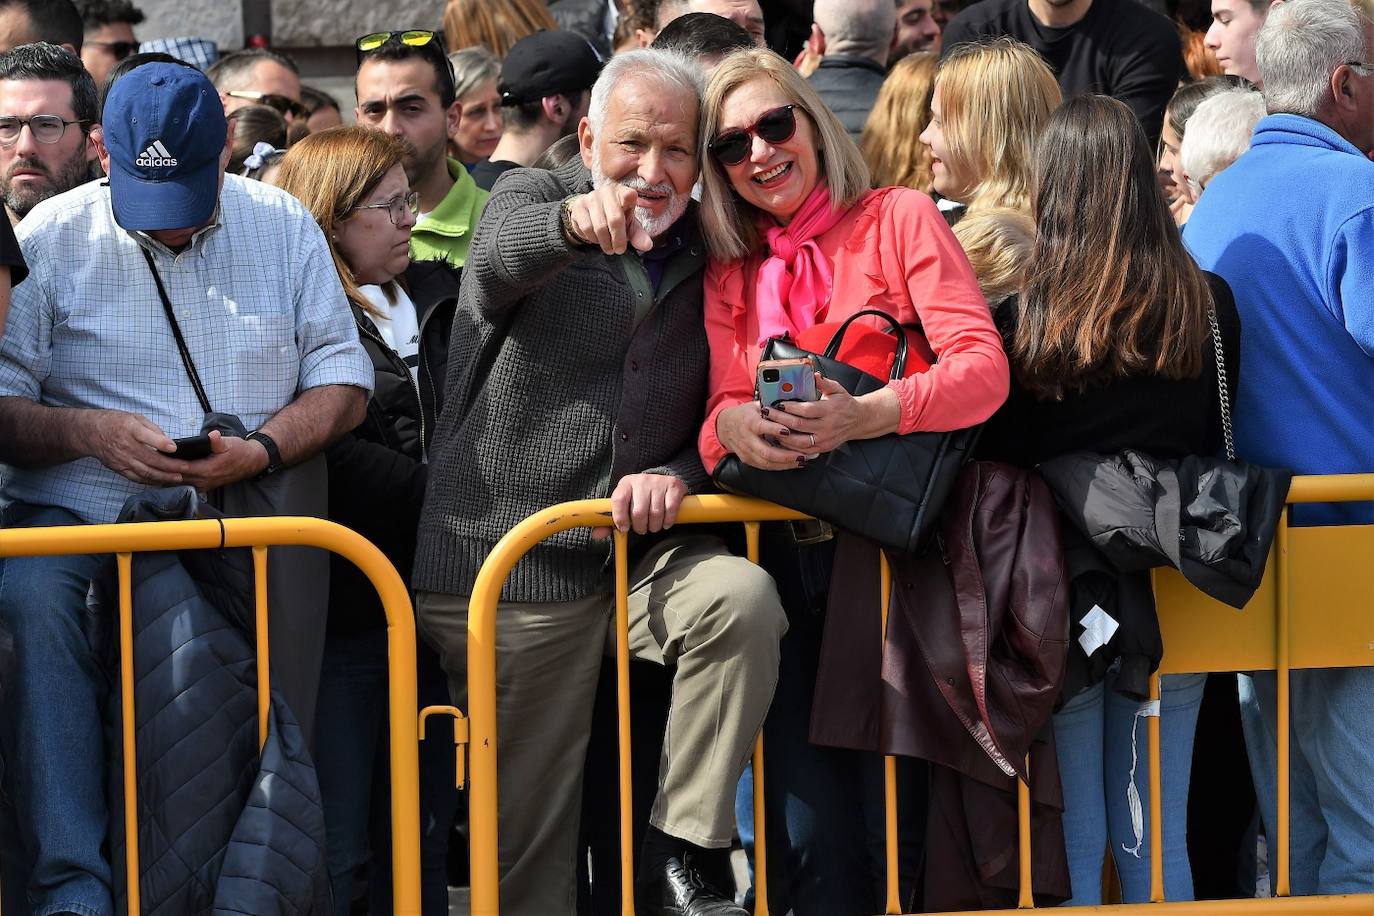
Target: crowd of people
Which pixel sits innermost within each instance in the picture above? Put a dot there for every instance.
(542, 263)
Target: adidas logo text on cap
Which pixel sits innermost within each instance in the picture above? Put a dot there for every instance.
(156, 156)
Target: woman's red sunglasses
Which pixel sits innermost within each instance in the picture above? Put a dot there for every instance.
(777, 126)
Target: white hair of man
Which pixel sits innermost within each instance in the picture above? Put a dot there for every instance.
(1301, 43)
(666, 72)
(862, 28)
(1218, 133)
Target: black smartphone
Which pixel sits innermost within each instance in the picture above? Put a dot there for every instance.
(192, 447)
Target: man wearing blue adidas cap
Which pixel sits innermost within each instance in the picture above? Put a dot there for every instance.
(94, 388)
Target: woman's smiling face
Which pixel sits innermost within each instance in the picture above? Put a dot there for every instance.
(775, 178)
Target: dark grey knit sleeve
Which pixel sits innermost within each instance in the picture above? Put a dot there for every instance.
(519, 244)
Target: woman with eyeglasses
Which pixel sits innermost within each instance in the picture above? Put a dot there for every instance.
(352, 181)
(798, 240)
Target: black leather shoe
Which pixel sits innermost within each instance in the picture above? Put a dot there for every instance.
(678, 890)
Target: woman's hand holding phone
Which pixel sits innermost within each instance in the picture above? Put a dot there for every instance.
(838, 417)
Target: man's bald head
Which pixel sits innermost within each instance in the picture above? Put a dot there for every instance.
(862, 28)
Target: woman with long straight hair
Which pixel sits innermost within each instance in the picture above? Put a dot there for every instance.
(1111, 348)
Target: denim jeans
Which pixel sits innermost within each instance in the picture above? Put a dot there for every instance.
(1103, 748)
(353, 764)
(1331, 741)
(51, 735)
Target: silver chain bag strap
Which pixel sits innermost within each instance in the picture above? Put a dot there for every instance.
(1223, 393)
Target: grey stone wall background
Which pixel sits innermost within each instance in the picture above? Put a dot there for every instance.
(295, 23)
(218, 20)
(311, 23)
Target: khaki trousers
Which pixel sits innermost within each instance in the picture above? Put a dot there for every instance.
(713, 616)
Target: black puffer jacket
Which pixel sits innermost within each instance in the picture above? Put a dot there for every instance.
(1211, 519)
(377, 472)
(220, 831)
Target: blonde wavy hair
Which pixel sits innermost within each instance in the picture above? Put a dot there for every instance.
(891, 140)
(727, 222)
(494, 24)
(331, 172)
(995, 97)
(998, 242)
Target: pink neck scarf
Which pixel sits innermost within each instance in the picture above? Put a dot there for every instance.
(793, 283)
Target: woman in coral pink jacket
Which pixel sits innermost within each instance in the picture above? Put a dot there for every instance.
(798, 239)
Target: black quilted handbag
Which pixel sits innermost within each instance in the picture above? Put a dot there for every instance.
(889, 489)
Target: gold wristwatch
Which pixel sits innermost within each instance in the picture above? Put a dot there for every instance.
(565, 219)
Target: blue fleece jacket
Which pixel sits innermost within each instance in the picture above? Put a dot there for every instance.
(1290, 226)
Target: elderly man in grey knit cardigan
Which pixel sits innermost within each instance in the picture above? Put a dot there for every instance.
(578, 370)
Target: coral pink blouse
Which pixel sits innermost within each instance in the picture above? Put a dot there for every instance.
(894, 252)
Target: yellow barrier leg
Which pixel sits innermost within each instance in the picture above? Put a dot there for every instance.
(622, 674)
(126, 683)
(894, 876)
(1282, 885)
(1026, 895)
(264, 653)
(751, 541)
(405, 745)
(1156, 801)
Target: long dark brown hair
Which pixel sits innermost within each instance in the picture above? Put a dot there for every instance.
(1112, 293)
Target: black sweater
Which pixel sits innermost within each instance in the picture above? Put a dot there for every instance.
(1164, 418)
(1119, 48)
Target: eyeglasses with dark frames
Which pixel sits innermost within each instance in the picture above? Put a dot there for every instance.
(731, 147)
(118, 49)
(397, 207)
(46, 128)
(282, 104)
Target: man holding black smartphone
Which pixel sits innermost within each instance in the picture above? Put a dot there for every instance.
(166, 288)
(577, 370)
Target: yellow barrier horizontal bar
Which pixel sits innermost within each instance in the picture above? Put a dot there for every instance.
(142, 537)
(1259, 906)
(1332, 488)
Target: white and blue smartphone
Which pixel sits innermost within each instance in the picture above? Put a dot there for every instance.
(786, 380)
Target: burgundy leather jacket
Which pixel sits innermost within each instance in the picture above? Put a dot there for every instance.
(971, 666)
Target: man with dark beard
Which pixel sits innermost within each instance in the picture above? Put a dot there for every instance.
(578, 371)
(406, 89)
(48, 125)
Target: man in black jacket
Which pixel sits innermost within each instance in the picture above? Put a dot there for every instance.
(1112, 47)
(855, 37)
(578, 370)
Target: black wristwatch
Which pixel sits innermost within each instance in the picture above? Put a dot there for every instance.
(273, 453)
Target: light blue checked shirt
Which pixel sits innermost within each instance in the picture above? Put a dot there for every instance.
(256, 295)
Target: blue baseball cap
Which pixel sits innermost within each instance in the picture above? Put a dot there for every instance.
(165, 131)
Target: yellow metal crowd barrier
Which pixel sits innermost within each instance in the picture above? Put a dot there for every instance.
(1313, 610)
(259, 534)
